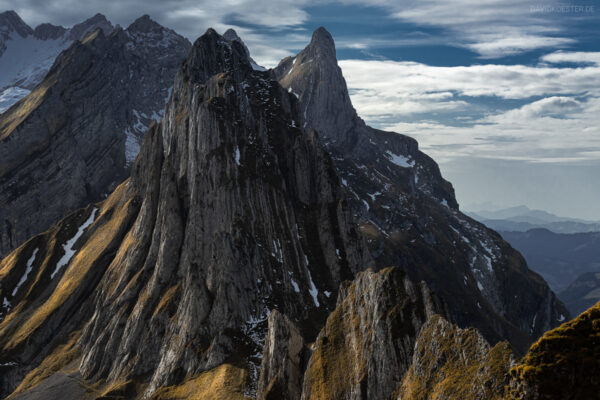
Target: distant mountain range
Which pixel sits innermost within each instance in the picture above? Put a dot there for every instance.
(522, 219)
(560, 258)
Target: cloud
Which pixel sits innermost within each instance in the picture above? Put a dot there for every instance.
(492, 28)
(400, 80)
(577, 57)
(556, 121)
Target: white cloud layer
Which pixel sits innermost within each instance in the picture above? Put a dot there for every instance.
(558, 123)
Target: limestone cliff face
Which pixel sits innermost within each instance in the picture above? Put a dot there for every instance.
(367, 344)
(72, 140)
(285, 354)
(231, 211)
(409, 214)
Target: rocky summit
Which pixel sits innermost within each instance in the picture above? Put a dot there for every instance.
(267, 244)
(409, 215)
(73, 138)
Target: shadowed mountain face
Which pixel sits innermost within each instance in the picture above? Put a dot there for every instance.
(233, 209)
(409, 214)
(583, 293)
(72, 140)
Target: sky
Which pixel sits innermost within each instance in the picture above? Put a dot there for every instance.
(504, 95)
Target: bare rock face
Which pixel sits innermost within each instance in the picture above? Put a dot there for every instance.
(284, 359)
(453, 363)
(409, 213)
(231, 211)
(367, 344)
(72, 140)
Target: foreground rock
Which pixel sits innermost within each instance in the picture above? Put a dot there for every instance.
(454, 363)
(367, 344)
(563, 364)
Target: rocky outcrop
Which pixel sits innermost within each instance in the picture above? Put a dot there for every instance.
(230, 211)
(563, 364)
(72, 140)
(409, 213)
(284, 360)
(453, 363)
(367, 344)
(11, 23)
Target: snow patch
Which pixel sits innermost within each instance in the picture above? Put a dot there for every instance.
(400, 160)
(313, 289)
(27, 271)
(68, 247)
(10, 96)
(296, 287)
(237, 155)
(132, 146)
(561, 318)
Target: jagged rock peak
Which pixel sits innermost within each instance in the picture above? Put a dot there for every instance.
(144, 24)
(97, 21)
(322, 42)
(230, 34)
(11, 20)
(211, 54)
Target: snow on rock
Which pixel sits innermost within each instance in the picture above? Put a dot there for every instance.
(400, 160)
(132, 146)
(27, 271)
(237, 155)
(68, 247)
(296, 287)
(10, 96)
(313, 289)
(26, 61)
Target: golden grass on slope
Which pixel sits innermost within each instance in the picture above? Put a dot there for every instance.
(225, 382)
(452, 366)
(564, 362)
(117, 204)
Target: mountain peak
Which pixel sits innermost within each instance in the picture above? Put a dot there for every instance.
(211, 54)
(323, 42)
(231, 34)
(13, 22)
(78, 31)
(144, 24)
